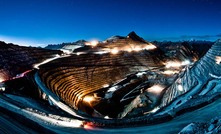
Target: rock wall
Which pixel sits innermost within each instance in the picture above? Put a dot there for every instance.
(204, 77)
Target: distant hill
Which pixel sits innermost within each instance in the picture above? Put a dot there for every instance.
(16, 59)
(129, 43)
(69, 46)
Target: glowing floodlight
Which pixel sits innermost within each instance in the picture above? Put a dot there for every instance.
(129, 50)
(156, 89)
(106, 117)
(105, 85)
(78, 53)
(92, 43)
(140, 74)
(88, 99)
(114, 51)
(173, 64)
(168, 72)
(155, 109)
(185, 62)
(180, 88)
(177, 64)
(137, 49)
(1, 79)
(101, 52)
(150, 47)
(2, 89)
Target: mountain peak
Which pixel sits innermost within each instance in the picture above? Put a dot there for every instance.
(135, 37)
(132, 34)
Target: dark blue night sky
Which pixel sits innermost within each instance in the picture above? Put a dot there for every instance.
(57, 21)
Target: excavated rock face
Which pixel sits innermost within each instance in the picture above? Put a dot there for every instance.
(18, 59)
(204, 78)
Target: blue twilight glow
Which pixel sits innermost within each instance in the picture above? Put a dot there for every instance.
(56, 21)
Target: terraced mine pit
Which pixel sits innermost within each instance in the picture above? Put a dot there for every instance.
(94, 83)
(121, 82)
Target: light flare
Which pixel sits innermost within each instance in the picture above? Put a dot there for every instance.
(105, 85)
(1, 79)
(177, 64)
(114, 51)
(2, 87)
(150, 47)
(156, 89)
(174, 64)
(88, 126)
(137, 49)
(129, 50)
(72, 123)
(88, 99)
(180, 87)
(79, 53)
(140, 74)
(112, 89)
(101, 52)
(106, 117)
(168, 72)
(185, 62)
(92, 43)
(155, 109)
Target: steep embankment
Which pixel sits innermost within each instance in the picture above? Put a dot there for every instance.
(16, 59)
(204, 78)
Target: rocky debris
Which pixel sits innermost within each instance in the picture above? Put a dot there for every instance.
(141, 101)
(194, 128)
(212, 127)
(144, 103)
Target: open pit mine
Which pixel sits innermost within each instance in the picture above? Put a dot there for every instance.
(121, 85)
